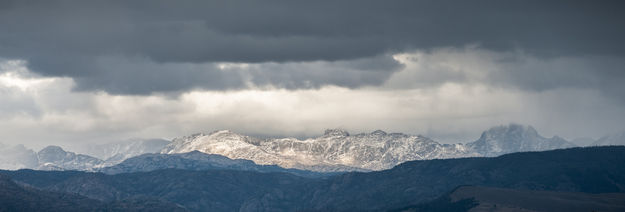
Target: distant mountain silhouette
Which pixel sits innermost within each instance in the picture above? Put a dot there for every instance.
(514, 138)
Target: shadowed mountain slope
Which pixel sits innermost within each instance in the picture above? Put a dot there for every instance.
(477, 199)
(14, 197)
(198, 161)
(588, 170)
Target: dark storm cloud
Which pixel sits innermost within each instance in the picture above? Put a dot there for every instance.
(511, 70)
(351, 74)
(141, 76)
(179, 42)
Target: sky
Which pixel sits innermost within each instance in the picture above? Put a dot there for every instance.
(76, 72)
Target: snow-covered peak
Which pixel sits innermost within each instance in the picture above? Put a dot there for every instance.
(189, 137)
(52, 154)
(55, 158)
(221, 132)
(510, 131)
(336, 150)
(336, 132)
(514, 138)
(52, 149)
(378, 132)
(218, 142)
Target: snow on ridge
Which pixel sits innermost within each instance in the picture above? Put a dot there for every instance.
(372, 151)
(377, 150)
(334, 151)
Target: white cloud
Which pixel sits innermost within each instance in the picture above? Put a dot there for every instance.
(38, 111)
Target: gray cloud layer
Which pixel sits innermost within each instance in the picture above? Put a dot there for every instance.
(140, 47)
(510, 70)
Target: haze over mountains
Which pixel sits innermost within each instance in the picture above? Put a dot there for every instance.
(56, 158)
(514, 138)
(613, 139)
(335, 151)
(117, 152)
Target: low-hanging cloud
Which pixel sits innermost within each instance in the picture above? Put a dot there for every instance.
(509, 70)
(40, 111)
(142, 47)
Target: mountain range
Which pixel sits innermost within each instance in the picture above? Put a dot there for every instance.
(56, 158)
(505, 169)
(335, 151)
(587, 172)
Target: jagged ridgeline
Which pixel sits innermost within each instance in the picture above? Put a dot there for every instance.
(337, 150)
(334, 151)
